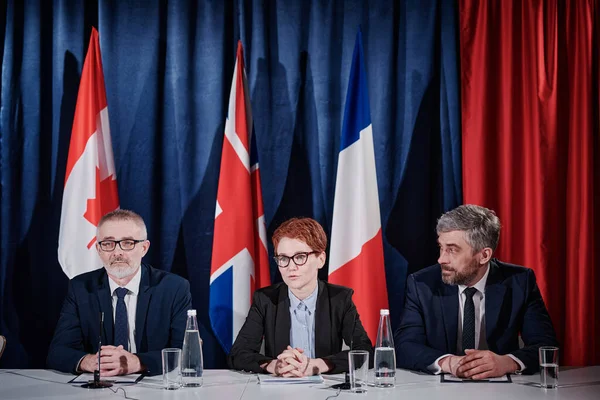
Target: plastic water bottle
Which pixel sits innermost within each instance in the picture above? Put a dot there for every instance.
(192, 365)
(385, 353)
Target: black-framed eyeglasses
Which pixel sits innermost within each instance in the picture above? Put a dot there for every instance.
(125, 244)
(298, 258)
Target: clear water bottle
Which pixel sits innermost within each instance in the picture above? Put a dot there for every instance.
(191, 354)
(385, 353)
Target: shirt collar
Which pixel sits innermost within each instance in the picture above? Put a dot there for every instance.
(133, 286)
(310, 302)
(480, 286)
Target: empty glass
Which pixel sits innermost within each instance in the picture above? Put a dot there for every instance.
(171, 365)
(358, 362)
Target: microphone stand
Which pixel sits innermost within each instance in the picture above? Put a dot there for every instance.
(346, 384)
(97, 383)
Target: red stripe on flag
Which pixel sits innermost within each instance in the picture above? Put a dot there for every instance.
(234, 228)
(91, 99)
(241, 121)
(262, 275)
(366, 275)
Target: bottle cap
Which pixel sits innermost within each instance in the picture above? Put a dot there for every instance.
(384, 312)
(191, 312)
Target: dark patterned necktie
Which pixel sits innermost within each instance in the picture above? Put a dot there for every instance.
(121, 325)
(468, 334)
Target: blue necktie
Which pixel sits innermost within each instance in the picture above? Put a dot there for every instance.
(468, 334)
(121, 325)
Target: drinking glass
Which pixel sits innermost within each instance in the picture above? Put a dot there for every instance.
(548, 367)
(358, 362)
(171, 367)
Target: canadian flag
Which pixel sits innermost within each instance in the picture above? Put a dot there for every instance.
(90, 181)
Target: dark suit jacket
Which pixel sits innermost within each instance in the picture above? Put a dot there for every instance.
(161, 316)
(513, 305)
(336, 319)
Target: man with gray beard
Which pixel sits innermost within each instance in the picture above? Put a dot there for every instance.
(145, 309)
(464, 315)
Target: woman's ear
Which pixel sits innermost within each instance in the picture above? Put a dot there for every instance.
(322, 257)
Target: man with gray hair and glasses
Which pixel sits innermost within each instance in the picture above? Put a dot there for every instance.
(464, 315)
(145, 309)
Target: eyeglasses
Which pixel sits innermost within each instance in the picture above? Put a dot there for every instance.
(125, 244)
(298, 258)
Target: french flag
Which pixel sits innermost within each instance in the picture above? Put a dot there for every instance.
(356, 253)
(239, 258)
(90, 180)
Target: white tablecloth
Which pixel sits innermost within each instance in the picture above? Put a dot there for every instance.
(574, 383)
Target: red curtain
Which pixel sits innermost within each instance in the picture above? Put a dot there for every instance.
(530, 124)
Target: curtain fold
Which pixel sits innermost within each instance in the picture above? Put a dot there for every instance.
(529, 81)
(168, 68)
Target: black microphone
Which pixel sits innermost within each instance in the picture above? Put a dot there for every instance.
(346, 384)
(353, 329)
(97, 383)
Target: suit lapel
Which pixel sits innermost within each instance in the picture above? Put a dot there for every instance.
(494, 298)
(283, 322)
(448, 297)
(105, 301)
(144, 295)
(322, 322)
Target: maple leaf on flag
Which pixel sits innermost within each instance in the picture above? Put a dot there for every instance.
(106, 200)
(90, 188)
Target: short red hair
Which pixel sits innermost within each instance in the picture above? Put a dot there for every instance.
(305, 229)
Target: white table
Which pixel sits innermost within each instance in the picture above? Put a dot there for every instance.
(575, 383)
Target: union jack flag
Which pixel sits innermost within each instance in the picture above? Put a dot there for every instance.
(239, 258)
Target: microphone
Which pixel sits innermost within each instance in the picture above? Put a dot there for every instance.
(97, 383)
(353, 329)
(346, 384)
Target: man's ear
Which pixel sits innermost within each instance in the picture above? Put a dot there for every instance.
(146, 247)
(486, 255)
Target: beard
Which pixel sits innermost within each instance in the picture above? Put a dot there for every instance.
(461, 277)
(121, 271)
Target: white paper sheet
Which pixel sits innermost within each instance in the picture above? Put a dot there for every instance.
(278, 380)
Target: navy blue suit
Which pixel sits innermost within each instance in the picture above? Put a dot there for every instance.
(161, 315)
(513, 306)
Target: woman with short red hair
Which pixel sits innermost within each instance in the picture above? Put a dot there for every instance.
(303, 320)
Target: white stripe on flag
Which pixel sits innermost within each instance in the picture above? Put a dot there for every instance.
(241, 260)
(356, 219)
(218, 210)
(236, 143)
(106, 161)
(243, 271)
(262, 230)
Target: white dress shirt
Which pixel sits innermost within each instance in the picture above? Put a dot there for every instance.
(480, 339)
(130, 299)
(479, 300)
(130, 302)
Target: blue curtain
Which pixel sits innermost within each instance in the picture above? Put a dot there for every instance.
(168, 69)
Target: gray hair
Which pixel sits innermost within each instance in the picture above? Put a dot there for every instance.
(480, 224)
(124, 215)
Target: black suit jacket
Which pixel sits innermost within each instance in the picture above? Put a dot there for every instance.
(336, 319)
(161, 315)
(513, 306)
